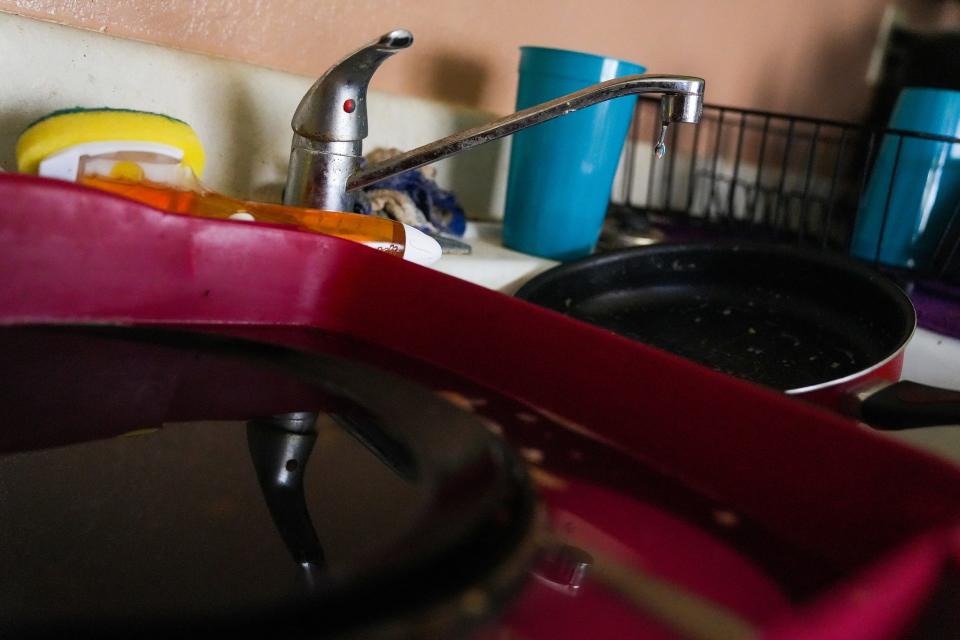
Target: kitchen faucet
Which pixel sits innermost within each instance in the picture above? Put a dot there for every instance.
(330, 124)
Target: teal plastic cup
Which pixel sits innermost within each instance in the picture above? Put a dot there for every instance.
(561, 171)
(914, 187)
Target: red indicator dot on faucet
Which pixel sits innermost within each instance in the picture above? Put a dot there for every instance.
(349, 105)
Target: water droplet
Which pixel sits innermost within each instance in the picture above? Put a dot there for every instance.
(661, 148)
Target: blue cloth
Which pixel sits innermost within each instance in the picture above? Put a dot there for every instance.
(439, 206)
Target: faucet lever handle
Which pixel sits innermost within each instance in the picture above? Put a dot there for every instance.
(335, 107)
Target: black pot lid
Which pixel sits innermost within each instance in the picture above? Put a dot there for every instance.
(392, 513)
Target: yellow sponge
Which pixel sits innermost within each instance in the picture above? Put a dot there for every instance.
(62, 129)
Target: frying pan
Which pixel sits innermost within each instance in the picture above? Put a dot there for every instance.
(814, 325)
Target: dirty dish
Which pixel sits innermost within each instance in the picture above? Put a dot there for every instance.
(813, 325)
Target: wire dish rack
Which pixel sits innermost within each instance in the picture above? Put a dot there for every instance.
(762, 175)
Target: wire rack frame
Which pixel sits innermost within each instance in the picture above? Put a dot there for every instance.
(783, 177)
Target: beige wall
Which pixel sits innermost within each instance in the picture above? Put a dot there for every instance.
(798, 56)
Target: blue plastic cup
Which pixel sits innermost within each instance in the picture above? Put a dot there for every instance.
(924, 191)
(561, 171)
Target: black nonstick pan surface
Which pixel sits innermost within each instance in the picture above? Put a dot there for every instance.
(777, 316)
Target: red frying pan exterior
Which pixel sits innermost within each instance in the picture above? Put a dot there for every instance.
(841, 394)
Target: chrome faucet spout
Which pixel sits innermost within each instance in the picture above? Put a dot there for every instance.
(331, 122)
(682, 102)
(681, 108)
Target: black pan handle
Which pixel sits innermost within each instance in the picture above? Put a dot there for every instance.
(905, 405)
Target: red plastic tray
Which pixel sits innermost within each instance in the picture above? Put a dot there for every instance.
(889, 513)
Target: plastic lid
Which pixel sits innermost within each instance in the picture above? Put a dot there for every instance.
(65, 164)
(419, 247)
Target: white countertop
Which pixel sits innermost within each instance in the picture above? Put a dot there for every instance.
(934, 359)
(492, 265)
(930, 358)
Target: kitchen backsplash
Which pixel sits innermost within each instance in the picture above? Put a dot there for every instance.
(241, 112)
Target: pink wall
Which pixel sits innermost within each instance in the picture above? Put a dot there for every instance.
(805, 56)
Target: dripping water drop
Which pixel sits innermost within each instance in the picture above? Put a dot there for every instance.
(661, 148)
